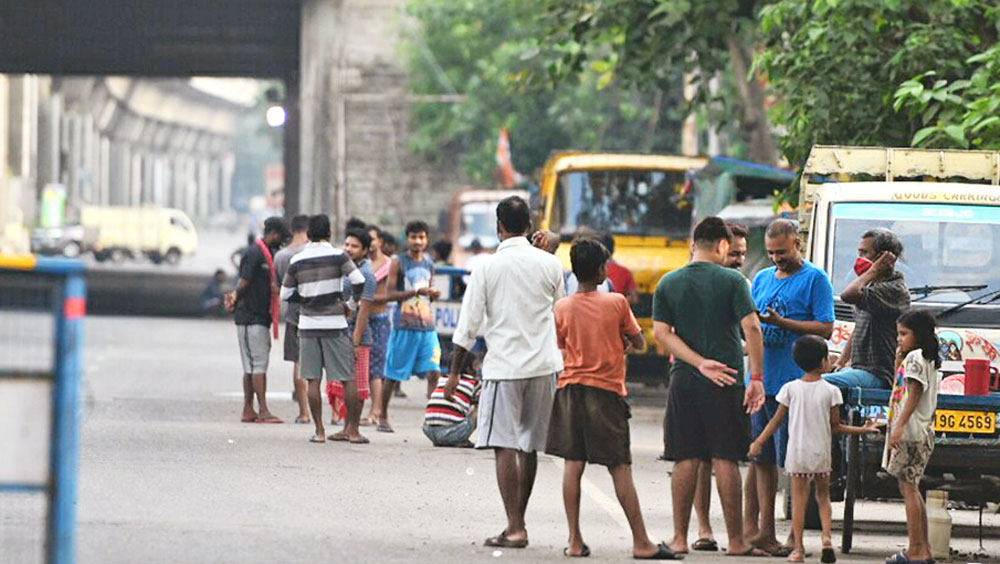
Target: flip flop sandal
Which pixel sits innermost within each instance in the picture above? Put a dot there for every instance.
(705, 544)
(384, 428)
(315, 439)
(781, 552)
(248, 420)
(663, 552)
(502, 541)
(361, 441)
(272, 420)
(828, 556)
(752, 552)
(794, 557)
(301, 421)
(337, 437)
(583, 554)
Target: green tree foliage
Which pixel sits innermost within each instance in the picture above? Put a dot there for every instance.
(963, 113)
(651, 42)
(836, 65)
(482, 50)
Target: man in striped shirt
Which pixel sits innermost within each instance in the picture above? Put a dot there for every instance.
(315, 279)
(450, 422)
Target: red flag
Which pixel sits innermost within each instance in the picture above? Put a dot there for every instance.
(508, 176)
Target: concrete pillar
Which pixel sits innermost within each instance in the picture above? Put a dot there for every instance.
(229, 167)
(49, 118)
(320, 96)
(291, 154)
(104, 166)
(135, 178)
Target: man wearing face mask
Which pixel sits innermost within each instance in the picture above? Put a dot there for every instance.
(879, 294)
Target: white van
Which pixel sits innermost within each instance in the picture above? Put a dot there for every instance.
(161, 234)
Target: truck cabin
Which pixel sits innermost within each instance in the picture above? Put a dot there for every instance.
(945, 208)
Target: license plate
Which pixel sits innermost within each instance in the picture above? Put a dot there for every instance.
(948, 421)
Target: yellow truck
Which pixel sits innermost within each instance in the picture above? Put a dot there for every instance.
(650, 203)
(644, 201)
(161, 234)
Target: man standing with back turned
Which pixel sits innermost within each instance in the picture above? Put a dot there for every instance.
(511, 297)
(698, 312)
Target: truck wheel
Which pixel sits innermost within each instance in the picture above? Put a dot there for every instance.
(117, 256)
(71, 249)
(155, 257)
(173, 256)
(101, 256)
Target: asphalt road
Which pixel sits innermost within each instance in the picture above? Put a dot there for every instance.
(169, 474)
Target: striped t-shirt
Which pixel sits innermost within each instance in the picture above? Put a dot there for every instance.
(440, 411)
(315, 278)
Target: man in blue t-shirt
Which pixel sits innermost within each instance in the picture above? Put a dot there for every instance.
(793, 298)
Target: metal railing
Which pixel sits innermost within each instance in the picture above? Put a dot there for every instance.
(42, 305)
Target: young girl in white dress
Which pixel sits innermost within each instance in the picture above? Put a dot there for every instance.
(812, 406)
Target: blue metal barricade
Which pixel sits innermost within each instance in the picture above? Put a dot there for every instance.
(42, 305)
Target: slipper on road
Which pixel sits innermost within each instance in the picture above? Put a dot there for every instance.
(317, 439)
(781, 552)
(900, 558)
(583, 553)
(302, 420)
(828, 556)
(663, 552)
(268, 420)
(502, 541)
(705, 544)
(338, 437)
(249, 419)
(384, 428)
(360, 441)
(753, 552)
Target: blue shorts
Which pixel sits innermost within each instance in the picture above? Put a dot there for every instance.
(775, 448)
(412, 352)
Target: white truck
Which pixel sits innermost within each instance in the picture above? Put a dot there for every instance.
(945, 207)
(161, 234)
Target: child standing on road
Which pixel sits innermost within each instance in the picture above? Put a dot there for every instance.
(589, 415)
(910, 439)
(812, 406)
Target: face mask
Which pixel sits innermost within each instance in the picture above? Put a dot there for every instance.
(862, 265)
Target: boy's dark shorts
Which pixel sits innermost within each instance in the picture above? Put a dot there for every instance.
(705, 422)
(591, 425)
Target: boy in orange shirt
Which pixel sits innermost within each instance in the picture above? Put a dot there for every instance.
(590, 416)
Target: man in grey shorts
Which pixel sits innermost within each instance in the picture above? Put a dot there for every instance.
(251, 302)
(315, 279)
(300, 225)
(519, 381)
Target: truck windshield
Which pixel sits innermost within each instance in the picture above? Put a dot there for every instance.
(624, 202)
(479, 221)
(943, 244)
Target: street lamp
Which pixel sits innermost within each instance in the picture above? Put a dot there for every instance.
(275, 115)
